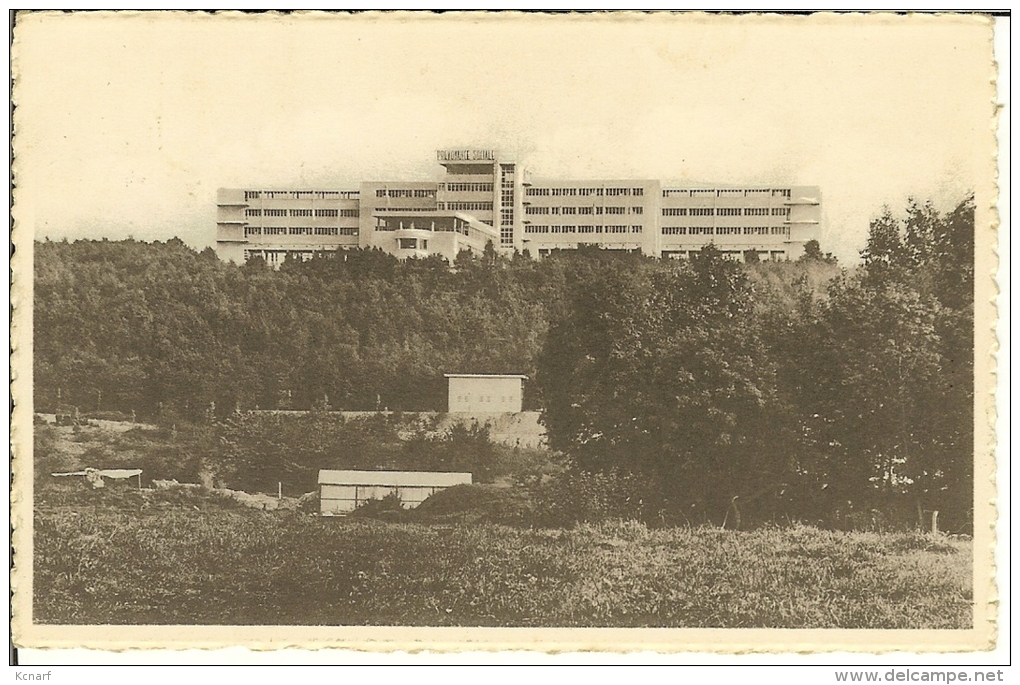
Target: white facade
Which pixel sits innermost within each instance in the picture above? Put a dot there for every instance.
(482, 393)
(482, 198)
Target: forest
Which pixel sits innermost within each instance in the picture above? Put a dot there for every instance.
(693, 387)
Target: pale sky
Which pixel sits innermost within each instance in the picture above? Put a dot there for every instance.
(126, 124)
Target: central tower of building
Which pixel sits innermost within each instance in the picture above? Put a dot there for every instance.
(487, 187)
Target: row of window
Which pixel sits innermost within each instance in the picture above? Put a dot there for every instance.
(745, 192)
(485, 398)
(466, 187)
(302, 194)
(582, 229)
(412, 244)
(405, 192)
(338, 212)
(277, 256)
(584, 192)
(298, 230)
(506, 212)
(467, 206)
(303, 212)
(725, 211)
(582, 210)
(726, 230)
(774, 255)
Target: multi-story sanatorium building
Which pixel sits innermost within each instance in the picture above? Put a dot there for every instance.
(483, 198)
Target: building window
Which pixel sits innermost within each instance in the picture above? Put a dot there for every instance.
(756, 211)
(299, 230)
(469, 187)
(701, 230)
(470, 206)
(326, 212)
(616, 229)
(756, 230)
(252, 230)
(702, 211)
(274, 230)
(537, 192)
(536, 210)
(637, 192)
(730, 211)
(616, 210)
(252, 194)
(408, 243)
(780, 211)
(781, 230)
(381, 192)
(350, 213)
(568, 210)
(635, 229)
(727, 230)
(300, 212)
(585, 210)
(253, 212)
(674, 211)
(275, 212)
(674, 230)
(327, 230)
(348, 231)
(637, 210)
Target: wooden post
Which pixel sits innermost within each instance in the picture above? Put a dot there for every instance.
(279, 490)
(935, 522)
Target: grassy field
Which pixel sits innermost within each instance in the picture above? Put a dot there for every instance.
(182, 562)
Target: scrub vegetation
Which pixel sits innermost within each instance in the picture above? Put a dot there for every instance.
(201, 561)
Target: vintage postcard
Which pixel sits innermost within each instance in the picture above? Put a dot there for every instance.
(621, 331)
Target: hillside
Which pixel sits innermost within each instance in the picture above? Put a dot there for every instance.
(161, 330)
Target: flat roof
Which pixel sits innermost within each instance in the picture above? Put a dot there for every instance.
(484, 375)
(390, 478)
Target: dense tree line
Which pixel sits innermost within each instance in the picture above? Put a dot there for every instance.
(726, 401)
(705, 390)
(158, 328)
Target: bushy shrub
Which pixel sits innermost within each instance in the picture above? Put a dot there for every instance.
(477, 504)
(388, 508)
(589, 497)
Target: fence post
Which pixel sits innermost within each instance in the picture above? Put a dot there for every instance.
(935, 522)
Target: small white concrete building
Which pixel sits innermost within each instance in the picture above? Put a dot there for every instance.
(480, 393)
(341, 492)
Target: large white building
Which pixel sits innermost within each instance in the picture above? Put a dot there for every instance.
(483, 198)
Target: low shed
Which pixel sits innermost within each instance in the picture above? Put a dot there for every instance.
(341, 492)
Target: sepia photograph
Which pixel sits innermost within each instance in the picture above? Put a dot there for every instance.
(611, 330)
